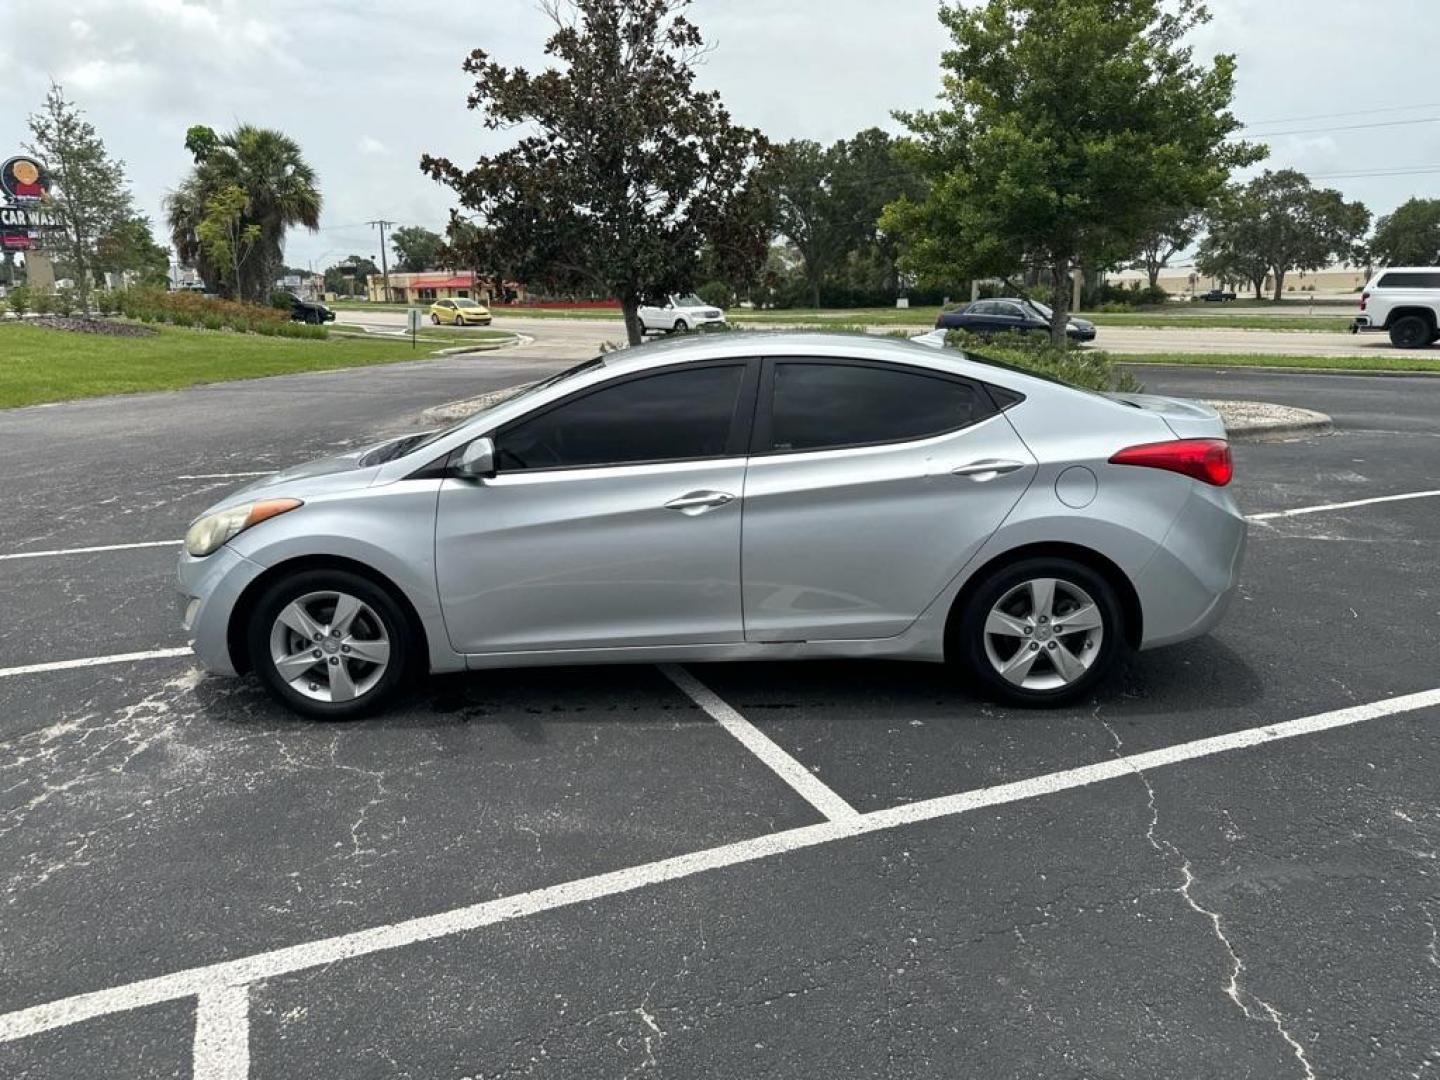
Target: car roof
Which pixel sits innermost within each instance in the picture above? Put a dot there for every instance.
(812, 344)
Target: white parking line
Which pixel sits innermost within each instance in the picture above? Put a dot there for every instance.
(217, 983)
(224, 475)
(95, 661)
(89, 550)
(801, 779)
(1343, 505)
(222, 1034)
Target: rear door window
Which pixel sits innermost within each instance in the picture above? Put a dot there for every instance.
(1403, 279)
(820, 405)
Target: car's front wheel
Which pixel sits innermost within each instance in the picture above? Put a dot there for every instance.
(1041, 631)
(330, 644)
(681, 326)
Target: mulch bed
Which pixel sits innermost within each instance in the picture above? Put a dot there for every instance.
(92, 326)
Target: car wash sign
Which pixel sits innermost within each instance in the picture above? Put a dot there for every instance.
(24, 183)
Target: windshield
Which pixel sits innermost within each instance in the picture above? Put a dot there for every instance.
(1044, 311)
(689, 300)
(466, 304)
(400, 447)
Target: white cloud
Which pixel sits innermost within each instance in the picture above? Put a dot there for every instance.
(335, 75)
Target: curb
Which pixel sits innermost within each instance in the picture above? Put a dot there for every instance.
(1391, 373)
(452, 412)
(1260, 421)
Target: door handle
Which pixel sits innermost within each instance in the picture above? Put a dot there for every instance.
(697, 502)
(984, 471)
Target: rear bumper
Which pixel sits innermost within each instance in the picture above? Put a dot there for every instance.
(1362, 323)
(1188, 585)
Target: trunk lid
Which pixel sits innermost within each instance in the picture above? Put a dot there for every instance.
(1187, 419)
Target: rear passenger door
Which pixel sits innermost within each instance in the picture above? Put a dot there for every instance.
(870, 486)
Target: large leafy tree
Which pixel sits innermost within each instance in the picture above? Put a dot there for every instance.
(129, 247)
(1279, 222)
(624, 170)
(807, 213)
(89, 199)
(281, 192)
(416, 248)
(1067, 124)
(828, 204)
(348, 276)
(1171, 232)
(1409, 235)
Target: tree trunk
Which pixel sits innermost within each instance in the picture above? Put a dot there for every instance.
(815, 292)
(1060, 286)
(1259, 285)
(633, 330)
(1154, 271)
(1279, 285)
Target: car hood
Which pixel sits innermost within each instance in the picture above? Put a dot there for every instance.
(323, 476)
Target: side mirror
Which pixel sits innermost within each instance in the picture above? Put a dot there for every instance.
(477, 461)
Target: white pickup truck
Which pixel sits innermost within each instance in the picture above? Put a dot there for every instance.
(679, 314)
(1405, 301)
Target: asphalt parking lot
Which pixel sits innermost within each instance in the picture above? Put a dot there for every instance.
(1224, 865)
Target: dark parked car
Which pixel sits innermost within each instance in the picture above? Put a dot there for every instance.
(1216, 295)
(999, 316)
(311, 311)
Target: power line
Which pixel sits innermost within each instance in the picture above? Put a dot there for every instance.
(1339, 115)
(1346, 127)
(1362, 173)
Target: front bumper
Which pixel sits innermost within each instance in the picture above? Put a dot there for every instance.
(208, 590)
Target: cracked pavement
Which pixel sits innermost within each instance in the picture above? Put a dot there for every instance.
(1269, 913)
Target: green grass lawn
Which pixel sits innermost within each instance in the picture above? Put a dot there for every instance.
(1421, 360)
(38, 364)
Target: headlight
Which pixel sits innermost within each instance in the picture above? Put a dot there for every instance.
(215, 530)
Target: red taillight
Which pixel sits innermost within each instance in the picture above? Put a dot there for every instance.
(1364, 299)
(1204, 459)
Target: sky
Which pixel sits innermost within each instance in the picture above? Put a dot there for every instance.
(367, 86)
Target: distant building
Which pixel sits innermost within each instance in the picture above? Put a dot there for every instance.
(1183, 279)
(427, 287)
(305, 286)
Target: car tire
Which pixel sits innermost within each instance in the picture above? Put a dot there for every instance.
(681, 326)
(362, 683)
(1410, 332)
(435, 319)
(1008, 619)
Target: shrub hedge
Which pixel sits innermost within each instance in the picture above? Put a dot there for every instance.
(1091, 369)
(210, 313)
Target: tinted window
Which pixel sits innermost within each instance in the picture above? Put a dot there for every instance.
(984, 307)
(1410, 281)
(1011, 311)
(674, 416)
(818, 405)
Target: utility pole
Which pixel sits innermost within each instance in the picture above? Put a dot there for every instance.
(384, 257)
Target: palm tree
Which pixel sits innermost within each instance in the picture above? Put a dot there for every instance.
(282, 191)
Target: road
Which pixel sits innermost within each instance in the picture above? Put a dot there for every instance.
(583, 337)
(609, 883)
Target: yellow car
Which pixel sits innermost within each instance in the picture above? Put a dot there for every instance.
(459, 313)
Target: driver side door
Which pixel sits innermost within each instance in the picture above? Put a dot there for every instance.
(613, 520)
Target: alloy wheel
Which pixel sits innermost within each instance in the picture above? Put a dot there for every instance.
(329, 646)
(1044, 634)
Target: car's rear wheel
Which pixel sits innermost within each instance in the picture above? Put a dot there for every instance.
(435, 318)
(1410, 332)
(1042, 631)
(330, 644)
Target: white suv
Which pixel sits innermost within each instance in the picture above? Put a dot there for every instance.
(1405, 300)
(679, 314)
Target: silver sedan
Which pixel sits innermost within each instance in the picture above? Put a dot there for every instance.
(742, 497)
